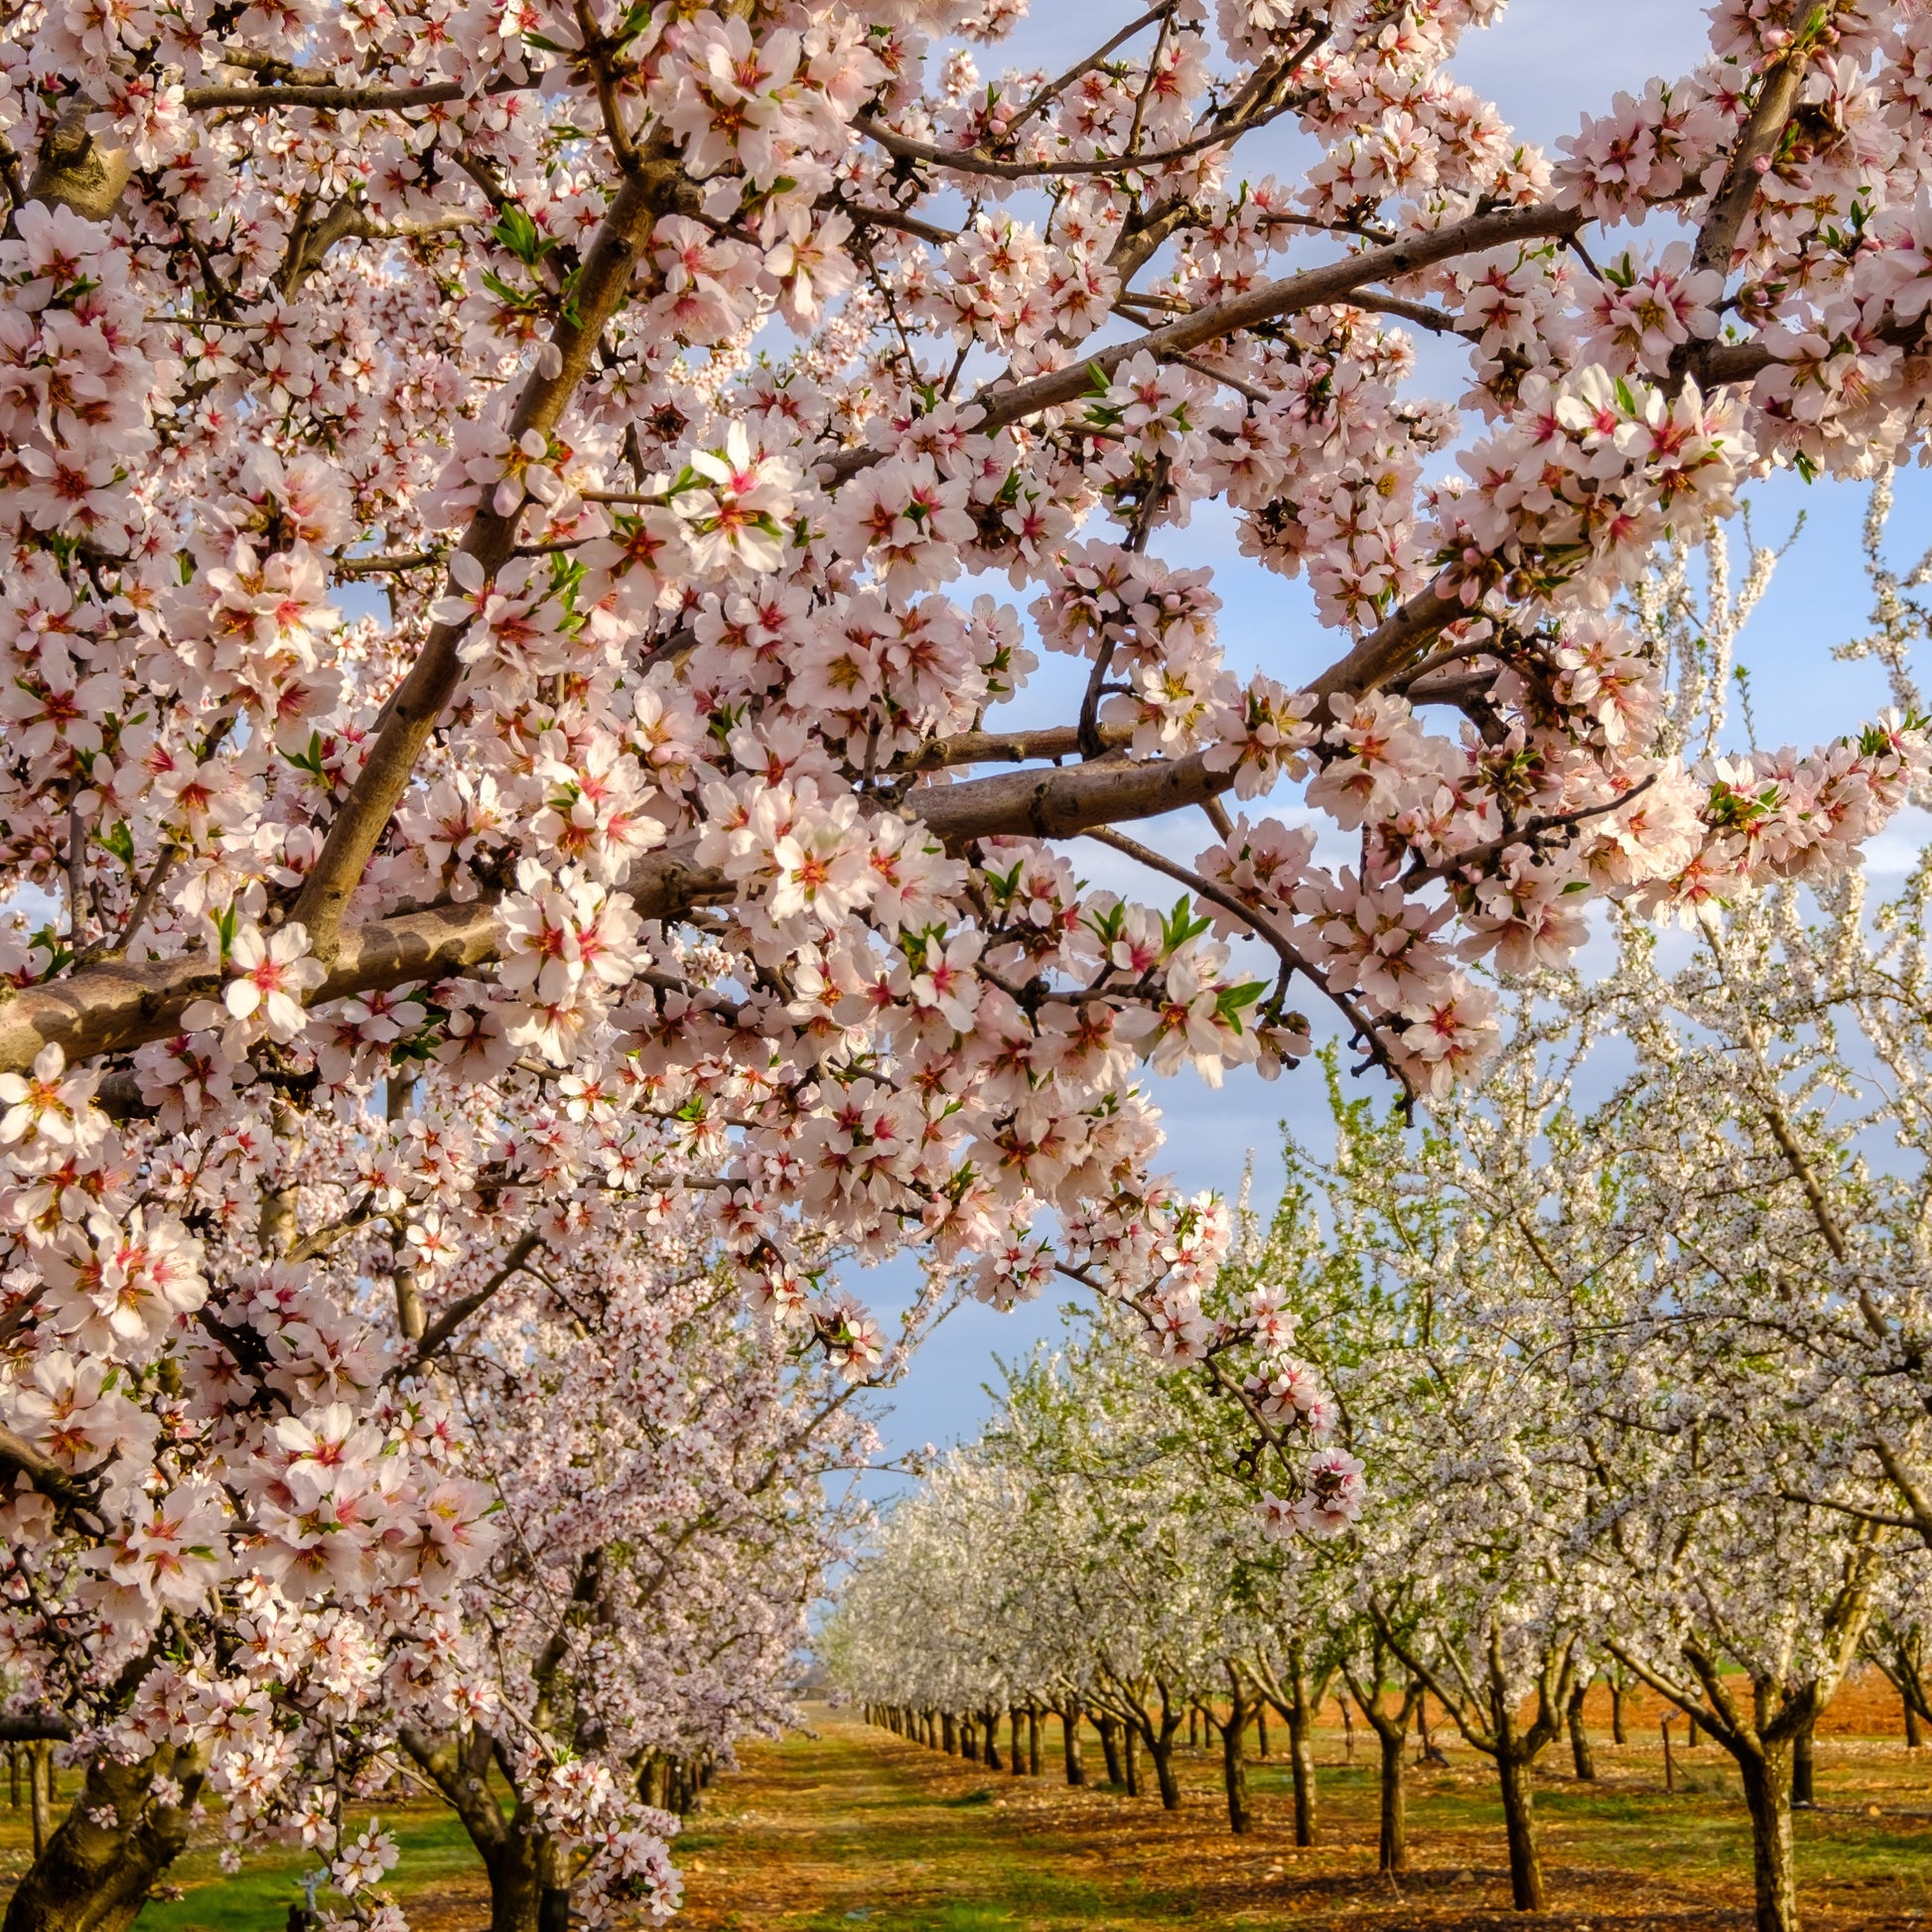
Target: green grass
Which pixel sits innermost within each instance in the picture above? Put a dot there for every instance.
(433, 1849)
(853, 1830)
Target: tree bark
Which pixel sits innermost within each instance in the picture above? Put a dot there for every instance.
(1616, 1712)
(1392, 1838)
(1110, 1751)
(990, 1743)
(1913, 1737)
(1160, 1749)
(1033, 1738)
(1076, 1765)
(1579, 1750)
(1526, 1889)
(1767, 1794)
(1301, 1760)
(40, 1792)
(1804, 1787)
(91, 1876)
(1234, 1771)
(949, 1733)
(1017, 1742)
(1130, 1753)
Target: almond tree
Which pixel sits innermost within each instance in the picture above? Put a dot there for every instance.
(481, 487)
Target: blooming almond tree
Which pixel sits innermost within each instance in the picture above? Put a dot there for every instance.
(661, 1471)
(498, 738)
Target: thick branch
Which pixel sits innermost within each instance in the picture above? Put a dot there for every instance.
(1334, 283)
(603, 287)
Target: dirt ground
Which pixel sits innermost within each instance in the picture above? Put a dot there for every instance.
(845, 1828)
(851, 1825)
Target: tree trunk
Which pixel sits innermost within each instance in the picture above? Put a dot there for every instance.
(990, 1743)
(1391, 1842)
(1260, 1730)
(1015, 1741)
(1160, 1749)
(13, 1767)
(40, 1791)
(1804, 1789)
(1526, 1890)
(1076, 1765)
(1348, 1729)
(95, 1877)
(1300, 1759)
(1234, 1770)
(517, 1888)
(1110, 1749)
(1913, 1737)
(1579, 1737)
(1616, 1712)
(1033, 1739)
(949, 1733)
(1767, 1793)
(1130, 1751)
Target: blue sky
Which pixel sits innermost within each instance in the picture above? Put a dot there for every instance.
(1544, 65)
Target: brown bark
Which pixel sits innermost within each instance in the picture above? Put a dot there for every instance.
(1391, 1728)
(1579, 1751)
(89, 1875)
(1076, 1765)
(1526, 1887)
(39, 1793)
(1234, 1732)
(528, 1889)
(1774, 1875)
(1109, 1730)
(1491, 1725)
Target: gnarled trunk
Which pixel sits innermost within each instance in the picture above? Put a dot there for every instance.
(1392, 1838)
(93, 1876)
(1768, 1796)
(1234, 1768)
(1076, 1765)
(1579, 1751)
(1301, 1763)
(1110, 1749)
(1160, 1748)
(1526, 1890)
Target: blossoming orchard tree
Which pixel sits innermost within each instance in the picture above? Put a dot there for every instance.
(665, 1523)
(648, 827)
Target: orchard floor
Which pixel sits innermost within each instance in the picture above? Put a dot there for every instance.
(850, 1827)
(844, 1828)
